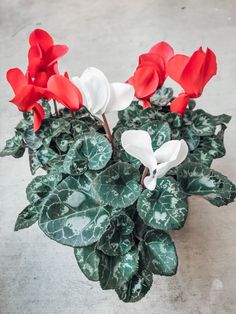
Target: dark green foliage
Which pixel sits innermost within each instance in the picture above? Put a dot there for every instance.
(91, 197)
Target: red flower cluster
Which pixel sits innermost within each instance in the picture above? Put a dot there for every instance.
(42, 79)
(192, 73)
(151, 71)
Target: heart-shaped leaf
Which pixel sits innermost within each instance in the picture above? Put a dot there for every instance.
(160, 253)
(203, 124)
(114, 271)
(164, 208)
(137, 287)
(88, 261)
(71, 217)
(91, 151)
(118, 185)
(118, 239)
(14, 147)
(198, 179)
(27, 217)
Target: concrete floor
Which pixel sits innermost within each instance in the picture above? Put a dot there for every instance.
(38, 275)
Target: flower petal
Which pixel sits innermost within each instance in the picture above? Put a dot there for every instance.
(179, 104)
(41, 38)
(172, 152)
(121, 97)
(150, 182)
(163, 49)
(95, 88)
(39, 115)
(209, 67)
(17, 79)
(146, 81)
(54, 53)
(175, 67)
(65, 92)
(138, 144)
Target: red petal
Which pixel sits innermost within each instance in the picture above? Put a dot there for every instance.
(39, 115)
(41, 79)
(175, 67)
(158, 62)
(65, 92)
(190, 78)
(163, 49)
(54, 53)
(209, 67)
(17, 79)
(179, 104)
(146, 104)
(27, 96)
(35, 65)
(145, 81)
(34, 52)
(41, 38)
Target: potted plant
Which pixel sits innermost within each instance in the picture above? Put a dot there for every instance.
(113, 195)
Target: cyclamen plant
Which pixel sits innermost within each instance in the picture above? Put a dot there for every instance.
(113, 196)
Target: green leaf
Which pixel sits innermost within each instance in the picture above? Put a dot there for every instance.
(118, 239)
(46, 155)
(71, 217)
(14, 147)
(32, 140)
(159, 131)
(63, 142)
(210, 147)
(191, 138)
(92, 151)
(35, 164)
(40, 187)
(27, 218)
(88, 261)
(164, 208)
(203, 123)
(118, 185)
(135, 116)
(221, 119)
(79, 127)
(160, 253)
(198, 179)
(162, 96)
(47, 108)
(137, 287)
(114, 271)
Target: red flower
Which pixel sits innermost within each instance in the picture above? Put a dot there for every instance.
(26, 95)
(43, 56)
(151, 71)
(65, 92)
(192, 73)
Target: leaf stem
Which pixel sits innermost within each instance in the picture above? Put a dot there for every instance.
(145, 172)
(107, 128)
(73, 114)
(55, 107)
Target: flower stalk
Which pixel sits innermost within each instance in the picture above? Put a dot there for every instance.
(107, 128)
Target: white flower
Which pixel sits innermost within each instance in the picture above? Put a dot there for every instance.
(139, 145)
(99, 96)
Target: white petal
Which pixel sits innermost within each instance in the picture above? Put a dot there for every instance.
(150, 182)
(139, 145)
(170, 155)
(172, 151)
(85, 94)
(121, 96)
(95, 88)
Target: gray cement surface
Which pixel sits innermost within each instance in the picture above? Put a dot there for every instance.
(38, 275)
